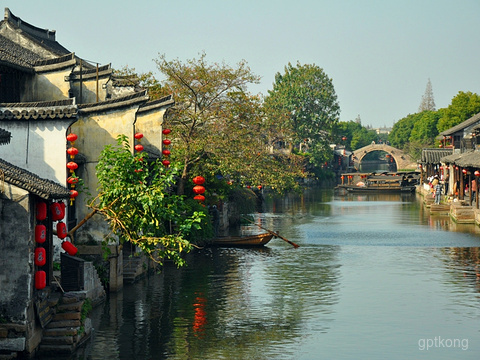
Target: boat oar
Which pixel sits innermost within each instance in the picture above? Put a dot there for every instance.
(273, 233)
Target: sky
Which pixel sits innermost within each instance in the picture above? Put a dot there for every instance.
(379, 54)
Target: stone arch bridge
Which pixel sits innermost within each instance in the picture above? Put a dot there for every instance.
(403, 160)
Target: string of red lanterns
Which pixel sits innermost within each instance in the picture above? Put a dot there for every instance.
(138, 146)
(199, 189)
(165, 152)
(72, 180)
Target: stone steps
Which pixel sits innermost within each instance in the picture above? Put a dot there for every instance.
(133, 268)
(65, 331)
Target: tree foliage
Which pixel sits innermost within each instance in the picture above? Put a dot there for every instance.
(463, 106)
(303, 106)
(136, 199)
(218, 126)
(356, 136)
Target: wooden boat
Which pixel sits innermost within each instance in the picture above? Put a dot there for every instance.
(247, 240)
(385, 183)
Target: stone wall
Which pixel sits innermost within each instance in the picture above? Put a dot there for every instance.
(16, 270)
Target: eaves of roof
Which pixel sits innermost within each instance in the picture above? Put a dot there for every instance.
(460, 127)
(44, 110)
(42, 37)
(469, 159)
(166, 101)
(125, 101)
(434, 156)
(451, 159)
(46, 189)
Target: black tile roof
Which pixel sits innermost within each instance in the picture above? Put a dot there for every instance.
(135, 98)
(468, 159)
(434, 156)
(43, 110)
(43, 37)
(460, 127)
(15, 55)
(46, 189)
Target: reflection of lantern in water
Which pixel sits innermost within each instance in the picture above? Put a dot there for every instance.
(200, 317)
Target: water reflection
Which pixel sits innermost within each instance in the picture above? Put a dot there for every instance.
(374, 274)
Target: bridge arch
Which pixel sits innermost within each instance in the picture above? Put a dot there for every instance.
(403, 160)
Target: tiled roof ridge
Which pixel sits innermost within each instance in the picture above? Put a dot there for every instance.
(56, 60)
(24, 179)
(469, 122)
(44, 110)
(92, 70)
(158, 103)
(43, 37)
(27, 27)
(139, 96)
(40, 104)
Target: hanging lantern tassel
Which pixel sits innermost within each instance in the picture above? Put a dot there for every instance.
(73, 195)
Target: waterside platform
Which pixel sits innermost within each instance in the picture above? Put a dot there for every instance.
(459, 211)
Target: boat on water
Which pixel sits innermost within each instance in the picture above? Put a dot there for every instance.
(379, 183)
(245, 241)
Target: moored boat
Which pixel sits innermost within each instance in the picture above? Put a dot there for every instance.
(247, 240)
(384, 183)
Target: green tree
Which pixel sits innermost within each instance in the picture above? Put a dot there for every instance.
(303, 106)
(464, 105)
(356, 135)
(425, 127)
(136, 199)
(218, 126)
(401, 131)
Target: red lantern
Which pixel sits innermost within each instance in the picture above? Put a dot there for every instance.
(464, 171)
(72, 180)
(139, 147)
(40, 279)
(41, 211)
(166, 163)
(73, 193)
(40, 256)
(61, 230)
(199, 197)
(198, 180)
(477, 173)
(166, 142)
(57, 212)
(69, 248)
(40, 234)
(72, 152)
(138, 136)
(198, 189)
(72, 166)
(166, 152)
(166, 131)
(72, 137)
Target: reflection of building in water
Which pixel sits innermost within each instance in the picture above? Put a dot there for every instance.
(467, 261)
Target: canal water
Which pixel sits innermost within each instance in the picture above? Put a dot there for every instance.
(375, 277)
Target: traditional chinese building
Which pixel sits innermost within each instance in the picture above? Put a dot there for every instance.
(46, 93)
